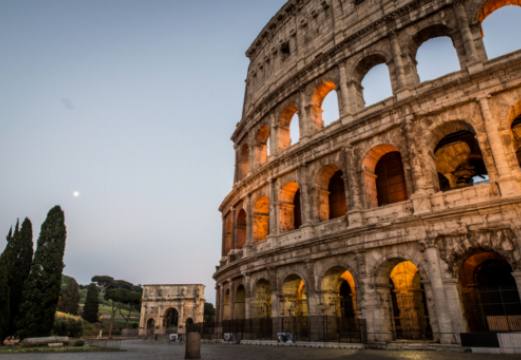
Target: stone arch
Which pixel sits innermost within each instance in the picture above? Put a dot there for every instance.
(384, 177)
(243, 161)
(240, 229)
(365, 65)
(228, 233)
(339, 292)
(516, 133)
(261, 218)
(431, 32)
(457, 156)
(290, 213)
(399, 283)
(287, 116)
(262, 299)
(489, 293)
(262, 150)
(487, 7)
(227, 304)
(294, 297)
(171, 320)
(239, 303)
(331, 193)
(151, 327)
(323, 90)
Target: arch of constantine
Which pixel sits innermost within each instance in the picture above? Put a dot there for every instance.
(400, 219)
(167, 309)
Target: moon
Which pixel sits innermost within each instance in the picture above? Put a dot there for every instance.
(76, 194)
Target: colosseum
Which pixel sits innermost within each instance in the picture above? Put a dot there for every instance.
(399, 220)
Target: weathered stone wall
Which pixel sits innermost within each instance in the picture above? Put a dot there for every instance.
(332, 44)
(157, 300)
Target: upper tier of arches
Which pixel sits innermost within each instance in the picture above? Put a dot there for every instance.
(279, 116)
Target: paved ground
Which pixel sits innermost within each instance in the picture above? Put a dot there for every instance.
(137, 350)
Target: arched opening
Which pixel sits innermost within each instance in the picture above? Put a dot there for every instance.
(331, 193)
(375, 79)
(239, 305)
(262, 309)
(151, 325)
(339, 299)
(243, 166)
(432, 42)
(324, 103)
(261, 218)
(171, 321)
(289, 127)
(499, 19)
(295, 310)
(227, 308)
(516, 132)
(290, 217)
(262, 145)
(408, 302)
(459, 161)
(384, 176)
(240, 229)
(228, 233)
(490, 294)
(189, 325)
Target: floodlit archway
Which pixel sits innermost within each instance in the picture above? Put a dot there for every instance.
(290, 217)
(239, 305)
(228, 234)
(490, 294)
(240, 229)
(331, 193)
(261, 218)
(262, 297)
(243, 161)
(289, 127)
(324, 104)
(384, 177)
(459, 161)
(409, 306)
(262, 145)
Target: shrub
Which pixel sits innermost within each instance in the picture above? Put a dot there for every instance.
(68, 327)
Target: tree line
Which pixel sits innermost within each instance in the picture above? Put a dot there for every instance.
(30, 283)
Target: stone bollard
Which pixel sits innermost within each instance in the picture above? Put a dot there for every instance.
(193, 345)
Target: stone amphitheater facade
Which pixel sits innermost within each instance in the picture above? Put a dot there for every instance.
(399, 214)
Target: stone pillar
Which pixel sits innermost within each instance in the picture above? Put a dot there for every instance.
(274, 207)
(406, 76)
(274, 129)
(419, 163)
(472, 56)
(249, 222)
(455, 308)
(441, 307)
(306, 121)
(306, 202)
(354, 210)
(344, 95)
(508, 182)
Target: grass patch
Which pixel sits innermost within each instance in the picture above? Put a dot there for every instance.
(63, 349)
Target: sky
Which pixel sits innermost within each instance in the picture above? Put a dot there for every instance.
(132, 104)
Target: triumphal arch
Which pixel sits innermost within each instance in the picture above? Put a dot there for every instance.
(396, 220)
(168, 309)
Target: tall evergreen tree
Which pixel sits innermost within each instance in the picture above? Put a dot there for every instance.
(42, 288)
(69, 301)
(90, 310)
(4, 292)
(20, 256)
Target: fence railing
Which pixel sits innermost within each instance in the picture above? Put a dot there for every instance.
(296, 328)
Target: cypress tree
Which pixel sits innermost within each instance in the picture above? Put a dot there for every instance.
(21, 255)
(42, 288)
(90, 310)
(4, 292)
(69, 301)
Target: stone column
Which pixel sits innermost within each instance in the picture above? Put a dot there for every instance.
(249, 222)
(507, 176)
(274, 129)
(274, 207)
(455, 307)
(441, 307)
(306, 121)
(406, 76)
(471, 53)
(354, 211)
(306, 203)
(344, 95)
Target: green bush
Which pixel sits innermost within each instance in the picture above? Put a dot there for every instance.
(68, 327)
(78, 343)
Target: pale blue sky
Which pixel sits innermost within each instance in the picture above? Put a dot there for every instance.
(131, 103)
